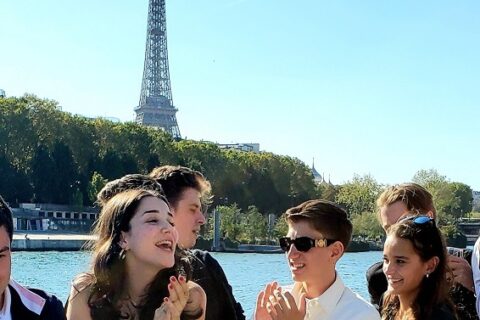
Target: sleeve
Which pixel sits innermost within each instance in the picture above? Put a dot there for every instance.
(53, 309)
(221, 278)
(377, 283)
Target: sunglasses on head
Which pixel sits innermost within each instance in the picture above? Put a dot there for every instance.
(419, 220)
(303, 244)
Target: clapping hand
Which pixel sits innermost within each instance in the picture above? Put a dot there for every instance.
(272, 304)
(172, 306)
(282, 306)
(261, 312)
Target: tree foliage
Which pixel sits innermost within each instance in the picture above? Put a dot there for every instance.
(359, 195)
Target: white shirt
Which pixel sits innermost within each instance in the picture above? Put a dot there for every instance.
(340, 303)
(476, 271)
(7, 301)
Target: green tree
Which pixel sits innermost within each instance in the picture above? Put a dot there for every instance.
(281, 227)
(95, 185)
(230, 221)
(366, 225)
(359, 195)
(447, 196)
(43, 175)
(254, 225)
(66, 176)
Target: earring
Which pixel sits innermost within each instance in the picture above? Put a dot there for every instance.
(427, 275)
(122, 254)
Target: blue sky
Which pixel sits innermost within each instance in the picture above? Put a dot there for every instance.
(368, 87)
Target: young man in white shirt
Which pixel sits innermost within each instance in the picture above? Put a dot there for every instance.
(318, 234)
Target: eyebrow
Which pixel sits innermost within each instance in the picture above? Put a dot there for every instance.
(6, 248)
(156, 211)
(151, 211)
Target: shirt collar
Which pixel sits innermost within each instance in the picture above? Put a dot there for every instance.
(328, 300)
(30, 300)
(7, 301)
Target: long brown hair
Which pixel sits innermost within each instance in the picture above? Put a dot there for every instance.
(106, 280)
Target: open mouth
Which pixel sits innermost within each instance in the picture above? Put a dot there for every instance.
(394, 282)
(296, 266)
(165, 244)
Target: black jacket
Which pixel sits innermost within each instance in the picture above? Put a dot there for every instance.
(221, 305)
(52, 310)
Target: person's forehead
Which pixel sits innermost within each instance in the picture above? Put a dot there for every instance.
(390, 214)
(4, 237)
(190, 194)
(302, 228)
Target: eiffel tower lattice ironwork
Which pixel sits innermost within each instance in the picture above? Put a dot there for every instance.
(156, 105)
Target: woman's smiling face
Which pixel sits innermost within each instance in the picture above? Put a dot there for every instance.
(152, 238)
(403, 267)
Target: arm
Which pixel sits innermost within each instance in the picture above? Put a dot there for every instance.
(198, 298)
(462, 272)
(78, 308)
(184, 298)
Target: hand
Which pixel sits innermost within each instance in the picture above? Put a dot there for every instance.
(283, 306)
(261, 312)
(167, 311)
(172, 307)
(462, 272)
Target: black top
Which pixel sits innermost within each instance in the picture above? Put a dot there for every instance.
(443, 312)
(207, 272)
(52, 310)
(463, 299)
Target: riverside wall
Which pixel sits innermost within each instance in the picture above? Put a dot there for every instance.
(49, 242)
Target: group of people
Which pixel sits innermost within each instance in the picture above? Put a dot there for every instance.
(143, 265)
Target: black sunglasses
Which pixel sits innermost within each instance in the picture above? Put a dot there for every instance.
(303, 244)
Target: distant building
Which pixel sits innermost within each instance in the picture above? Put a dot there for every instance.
(43, 217)
(2, 93)
(476, 200)
(249, 147)
(317, 177)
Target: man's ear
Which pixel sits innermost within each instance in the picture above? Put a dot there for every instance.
(430, 214)
(337, 250)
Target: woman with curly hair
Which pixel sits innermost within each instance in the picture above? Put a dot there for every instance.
(137, 273)
(415, 264)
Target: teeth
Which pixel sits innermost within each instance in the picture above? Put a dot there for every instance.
(394, 280)
(164, 244)
(296, 266)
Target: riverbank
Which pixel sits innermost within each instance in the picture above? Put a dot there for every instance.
(40, 241)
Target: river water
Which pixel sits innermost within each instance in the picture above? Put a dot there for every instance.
(247, 273)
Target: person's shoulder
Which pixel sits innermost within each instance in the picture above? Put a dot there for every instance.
(357, 303)
(374, 270)
(36, 301)
(204, 257)
(443, 312)
(51, 301)
(77, 306)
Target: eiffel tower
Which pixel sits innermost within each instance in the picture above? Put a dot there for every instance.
(156, 108)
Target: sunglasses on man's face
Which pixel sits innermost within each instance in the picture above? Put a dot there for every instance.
(303, 244)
